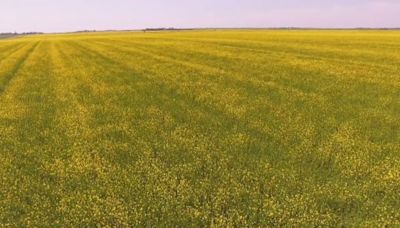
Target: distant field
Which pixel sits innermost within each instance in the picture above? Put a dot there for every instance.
(211, 128)
(4, 36)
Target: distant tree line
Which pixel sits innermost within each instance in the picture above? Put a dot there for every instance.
(83, 31)
(164, 29)
(9, 34)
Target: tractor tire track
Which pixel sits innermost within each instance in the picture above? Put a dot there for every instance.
(17, 67)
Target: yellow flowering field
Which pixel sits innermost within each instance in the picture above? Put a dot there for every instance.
(229, 128)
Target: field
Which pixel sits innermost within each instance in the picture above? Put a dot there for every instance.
(4, 36)
(201, 128)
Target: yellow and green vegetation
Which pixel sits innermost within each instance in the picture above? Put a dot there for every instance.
(200, 128)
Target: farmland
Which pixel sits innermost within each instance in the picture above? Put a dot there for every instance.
(201, 128)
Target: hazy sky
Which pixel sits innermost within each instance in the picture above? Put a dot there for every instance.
(71, 15)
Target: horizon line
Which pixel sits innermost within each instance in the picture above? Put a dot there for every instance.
(203, 28)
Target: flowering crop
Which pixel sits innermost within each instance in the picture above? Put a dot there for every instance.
(201, 128)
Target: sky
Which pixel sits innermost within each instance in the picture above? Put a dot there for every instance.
(74, 15)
